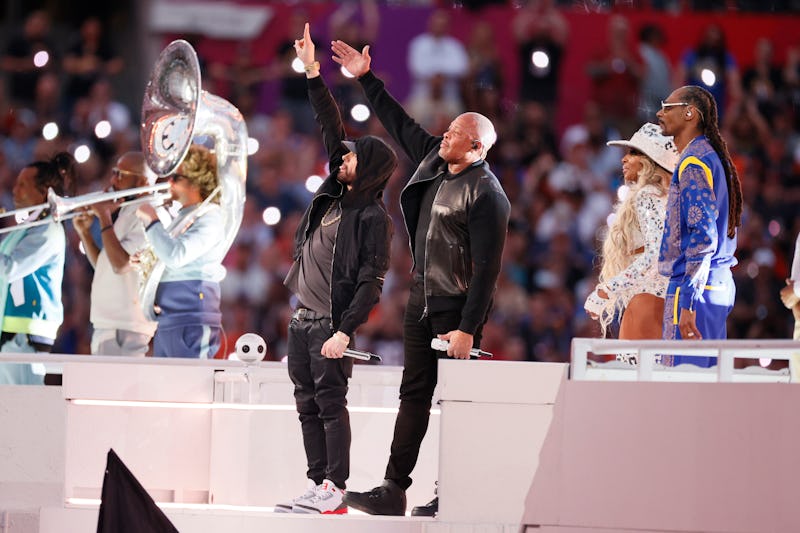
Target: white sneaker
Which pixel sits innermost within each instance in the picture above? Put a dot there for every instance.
(327, 500)
(287, 507)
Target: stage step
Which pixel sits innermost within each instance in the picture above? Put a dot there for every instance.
(213, 519)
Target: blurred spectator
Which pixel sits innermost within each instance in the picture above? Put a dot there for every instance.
(293, 92)
(616, 71)
(242, 79)
(746, 130)
(47, 100)
(437, 63)
(657, 74)
(90, 58)
(484, 81)
(346, 25)
(534, 135)
(763, 80)
(541, 32)
(27, 56)
(711, 66)
(103, 106)
(604, 160)
(21, 141)
(343, 25)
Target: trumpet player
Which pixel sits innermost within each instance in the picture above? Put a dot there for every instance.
(191, 248)
(120, 326)
(32, 268)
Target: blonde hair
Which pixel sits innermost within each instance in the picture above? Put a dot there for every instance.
(200, 167)
(617, 250)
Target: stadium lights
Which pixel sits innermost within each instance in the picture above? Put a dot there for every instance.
(360, 112)
(271, 216)
(540, 59)
(50, 131)
(82, 153)
(708, 77)
(313, 182)
(252, 145)
(102, 129)
(41, 59)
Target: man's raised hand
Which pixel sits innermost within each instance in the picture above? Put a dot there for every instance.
(356, 63)
(304, 48)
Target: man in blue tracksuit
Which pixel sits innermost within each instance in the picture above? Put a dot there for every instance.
(704, 208)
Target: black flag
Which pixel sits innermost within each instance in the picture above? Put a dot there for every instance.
(125, 506)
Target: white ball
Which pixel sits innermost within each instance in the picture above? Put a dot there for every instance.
(250, 348)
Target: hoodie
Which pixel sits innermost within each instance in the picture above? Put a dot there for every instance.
(361, 248)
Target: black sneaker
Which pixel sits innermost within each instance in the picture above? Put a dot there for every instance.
(386, 499)
(429, 509)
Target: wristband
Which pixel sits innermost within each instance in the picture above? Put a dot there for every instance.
(106, 227)
(311, 67)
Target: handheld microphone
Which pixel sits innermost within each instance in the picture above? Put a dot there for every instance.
(364, 356)
(442, 346)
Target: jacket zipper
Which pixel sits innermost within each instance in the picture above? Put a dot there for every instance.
(425, 266)
(333, 258)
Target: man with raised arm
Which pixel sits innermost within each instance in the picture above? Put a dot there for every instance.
(341, 255)
(456, 215)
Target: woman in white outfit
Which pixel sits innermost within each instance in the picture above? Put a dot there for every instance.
(629, 280)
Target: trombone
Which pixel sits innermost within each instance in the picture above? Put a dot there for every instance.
(62, 208)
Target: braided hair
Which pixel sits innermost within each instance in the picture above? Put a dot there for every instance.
(58, 173)
(704, 102)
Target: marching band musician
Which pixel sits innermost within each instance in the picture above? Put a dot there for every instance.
(188, 294)
(32, 268)
(120, 326)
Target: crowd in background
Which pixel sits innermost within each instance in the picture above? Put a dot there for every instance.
(562, 184)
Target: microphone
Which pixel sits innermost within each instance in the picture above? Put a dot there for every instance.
(364, 356)
(442, 346)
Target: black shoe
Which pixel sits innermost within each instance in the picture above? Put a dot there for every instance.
(386, 499)
(429, 509)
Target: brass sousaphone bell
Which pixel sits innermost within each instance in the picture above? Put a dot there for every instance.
(175, 112)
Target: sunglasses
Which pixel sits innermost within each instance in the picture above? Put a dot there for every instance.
(667, 105)
(117, 172)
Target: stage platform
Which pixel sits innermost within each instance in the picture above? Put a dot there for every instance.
(217, 443)
(516, 447)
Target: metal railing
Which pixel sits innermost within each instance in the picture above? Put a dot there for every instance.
(647, 352)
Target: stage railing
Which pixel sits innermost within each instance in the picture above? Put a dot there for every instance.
(647, 353)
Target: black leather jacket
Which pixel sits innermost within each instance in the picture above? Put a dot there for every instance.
(469, 219)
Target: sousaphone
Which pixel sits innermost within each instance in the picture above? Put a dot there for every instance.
(175, 112)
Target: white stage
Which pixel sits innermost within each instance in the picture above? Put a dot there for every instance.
(515, 447)
(217, 444)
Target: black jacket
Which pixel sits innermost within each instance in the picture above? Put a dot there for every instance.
(361, 249)
(469, 219)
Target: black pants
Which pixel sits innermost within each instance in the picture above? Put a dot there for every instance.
(420, 373)
(320, 392)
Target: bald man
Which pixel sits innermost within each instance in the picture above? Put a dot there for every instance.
(456, 215)
(120, 327)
